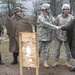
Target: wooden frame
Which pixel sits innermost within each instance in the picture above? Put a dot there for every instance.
(28, 48)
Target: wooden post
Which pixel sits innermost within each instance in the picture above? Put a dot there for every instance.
(37, 66)
(28, 51)
(20, 53)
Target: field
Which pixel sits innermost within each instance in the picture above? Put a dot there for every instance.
(8, 69)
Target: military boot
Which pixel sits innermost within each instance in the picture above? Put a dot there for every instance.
(72, 69)
(1, 63)
(15, 61)
(45, 64)
(56, 63)
(67, 64)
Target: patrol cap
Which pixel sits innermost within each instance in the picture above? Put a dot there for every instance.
(45, 6)
(66, 6)
(17, 9)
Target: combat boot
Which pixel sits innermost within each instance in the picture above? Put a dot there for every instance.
(72, 69)
(14, 62)
(1, 63)
(45, 64)
(67, 64)
(56, 63)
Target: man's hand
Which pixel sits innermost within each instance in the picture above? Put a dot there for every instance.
(58, 27)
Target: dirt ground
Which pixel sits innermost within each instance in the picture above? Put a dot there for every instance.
(8, 69)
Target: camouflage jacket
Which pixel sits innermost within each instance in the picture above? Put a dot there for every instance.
(62, 21)
(1, 29)
(45, 27)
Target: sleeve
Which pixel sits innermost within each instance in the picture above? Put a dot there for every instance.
(65, 27)
(45, 23)
(57, 21)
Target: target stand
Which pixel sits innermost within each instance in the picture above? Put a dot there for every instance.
(28, 48)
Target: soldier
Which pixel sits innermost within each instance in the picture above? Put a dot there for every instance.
(1, 30)
(1, 63)
(61, 36)
(70, 28)
(18, 23)
(44, 25)
(1, 33)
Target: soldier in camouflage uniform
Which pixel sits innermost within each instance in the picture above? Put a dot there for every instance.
(44, 30)
(1, 33)
(61, 36)
(1, 63)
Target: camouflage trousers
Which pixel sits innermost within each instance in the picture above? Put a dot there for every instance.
(58, 44)
(44, 45)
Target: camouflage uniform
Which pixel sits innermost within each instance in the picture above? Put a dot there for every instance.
(61, 36)
(44, 30)
(1, 29)
(1, 33)
(45, 33)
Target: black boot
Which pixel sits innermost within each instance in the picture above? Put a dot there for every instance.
(1, 63)
(73, 69)
(15, 61)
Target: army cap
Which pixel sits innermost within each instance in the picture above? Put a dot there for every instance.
(66, 6)
(45, 6)
(17, 9)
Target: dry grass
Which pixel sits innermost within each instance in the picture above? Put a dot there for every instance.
(7, 56)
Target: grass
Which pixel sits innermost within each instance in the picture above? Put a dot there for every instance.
(7, 56)
(52, 50)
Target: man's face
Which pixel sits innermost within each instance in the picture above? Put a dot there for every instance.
(47, 10)
(19, 13)
(66, 11)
